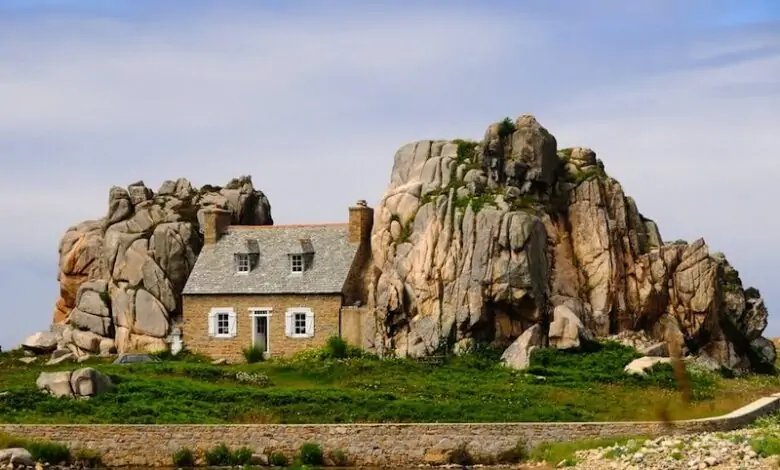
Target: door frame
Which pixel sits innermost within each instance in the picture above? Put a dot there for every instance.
(256, 313)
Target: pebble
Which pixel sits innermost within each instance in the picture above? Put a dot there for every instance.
(721, 451)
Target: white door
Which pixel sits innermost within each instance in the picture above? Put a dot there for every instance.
(260, 339)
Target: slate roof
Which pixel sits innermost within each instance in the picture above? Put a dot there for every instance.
(326, 271)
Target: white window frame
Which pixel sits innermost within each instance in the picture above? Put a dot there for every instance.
(213, 323)
(296, 260)
(290, 322)
(257, 312)
(243, 263)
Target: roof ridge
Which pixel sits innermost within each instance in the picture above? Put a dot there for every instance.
(256, 227)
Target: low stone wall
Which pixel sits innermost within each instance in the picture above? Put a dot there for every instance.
(365, 444)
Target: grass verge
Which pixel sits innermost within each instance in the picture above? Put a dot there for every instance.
(339, 385)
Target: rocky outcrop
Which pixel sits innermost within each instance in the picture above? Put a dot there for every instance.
(480, 241)
(121, 276)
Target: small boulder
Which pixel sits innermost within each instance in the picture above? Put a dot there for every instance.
(55, 383)
(60, 359)
(80, 383)
(27, 360)
(518, 354)
(89, 382)
(566, 329)
(107, 347)
(219, 362)
(42, 342)
(60, 352)
(259, 459)
(16, 457)
(641, 365)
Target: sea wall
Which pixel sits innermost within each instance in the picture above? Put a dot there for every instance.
(387, 445)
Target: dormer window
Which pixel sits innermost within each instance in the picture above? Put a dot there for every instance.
(296, 263)
(242, 263)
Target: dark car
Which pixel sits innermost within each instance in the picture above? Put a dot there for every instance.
(135, 358)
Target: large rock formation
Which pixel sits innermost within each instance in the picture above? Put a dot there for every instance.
(479, 241)
(121, 276)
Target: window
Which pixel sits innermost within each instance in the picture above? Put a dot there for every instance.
(297, 263)
(222, 323)
(299, 323)
(242, 263)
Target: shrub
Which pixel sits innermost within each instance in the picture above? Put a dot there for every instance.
(88, 458)
(184, 458)
(480, 356)
(252, 378)
(51, 452)
(336, 348)
(242, 456)
(766, 446)
(219, 456)
(506, 127)
(311, 454)
(254, 354)
(461, 456)
(338, 458)
(278, 459)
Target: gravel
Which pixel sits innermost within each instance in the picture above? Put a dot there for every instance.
(723, 451)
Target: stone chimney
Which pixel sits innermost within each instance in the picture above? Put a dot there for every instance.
(361, 219)
(213, 222)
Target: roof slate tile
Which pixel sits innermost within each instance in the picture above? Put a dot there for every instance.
(215, 270)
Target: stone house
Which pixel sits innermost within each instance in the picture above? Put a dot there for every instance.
(282, 288)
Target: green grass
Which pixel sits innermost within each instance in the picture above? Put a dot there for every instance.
(338, 385)
(555, 452)
(766, 445)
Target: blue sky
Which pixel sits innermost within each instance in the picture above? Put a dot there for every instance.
(680, 99)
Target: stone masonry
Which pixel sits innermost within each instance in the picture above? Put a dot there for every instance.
(195, 323)
(383, 445)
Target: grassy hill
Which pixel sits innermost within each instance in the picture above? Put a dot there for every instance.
(316, 387)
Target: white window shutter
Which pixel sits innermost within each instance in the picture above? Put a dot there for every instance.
(288, 323)
(212, 323)
(309, 324)
(232, 324)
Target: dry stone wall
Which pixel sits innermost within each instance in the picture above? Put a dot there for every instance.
(365, 444)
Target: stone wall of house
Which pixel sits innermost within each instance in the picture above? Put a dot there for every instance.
(352, 324)
(364, 444)
(195, 326)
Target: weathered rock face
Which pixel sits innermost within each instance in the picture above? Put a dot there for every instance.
(121, 276)
(480, 241)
